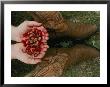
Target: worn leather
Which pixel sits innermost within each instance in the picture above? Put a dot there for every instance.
(57, 60)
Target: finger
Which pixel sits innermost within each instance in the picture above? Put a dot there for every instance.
(42, 53)
(39, 56)
(44, 49)
(23, 58)
(37, 61)
(47, 34)
(45, 46)
(44, 30)
(33, 61)
(29, 60)
(46, 38)
(33, 23)
(41, 28)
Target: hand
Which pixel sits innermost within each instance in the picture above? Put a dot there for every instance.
(19, 50)
(22, 28)
(17, 53)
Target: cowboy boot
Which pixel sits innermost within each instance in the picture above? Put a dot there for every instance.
(59, 27)
(57, 60)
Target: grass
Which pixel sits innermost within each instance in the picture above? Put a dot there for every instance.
(89, 68)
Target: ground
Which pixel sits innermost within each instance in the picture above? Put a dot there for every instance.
(89, 68)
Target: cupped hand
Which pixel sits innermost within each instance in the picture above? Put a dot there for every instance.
(23, 27)
(19, 50)
(17, 53)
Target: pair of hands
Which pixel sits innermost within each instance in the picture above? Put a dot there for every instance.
(16, 49)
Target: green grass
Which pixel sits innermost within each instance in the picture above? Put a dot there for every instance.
(89, 68)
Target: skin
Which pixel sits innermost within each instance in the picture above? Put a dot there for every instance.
(16, 49)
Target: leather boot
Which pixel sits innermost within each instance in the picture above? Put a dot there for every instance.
(60, 27)
(57, 60)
